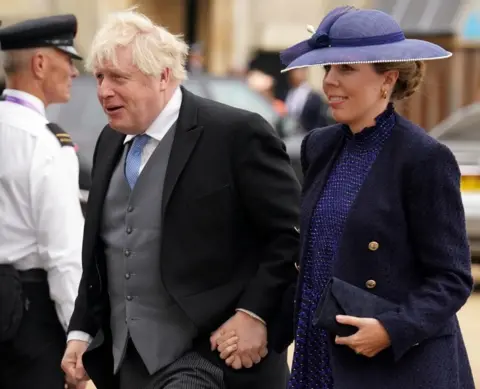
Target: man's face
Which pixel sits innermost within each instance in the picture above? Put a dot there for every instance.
(58, 75)
(131, 99)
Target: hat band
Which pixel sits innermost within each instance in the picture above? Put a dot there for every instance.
(321, 39)
(368, 40)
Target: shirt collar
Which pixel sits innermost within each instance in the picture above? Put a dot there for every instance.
(35, 101)
(165, 119)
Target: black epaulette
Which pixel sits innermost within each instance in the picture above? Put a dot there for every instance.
(63, 137)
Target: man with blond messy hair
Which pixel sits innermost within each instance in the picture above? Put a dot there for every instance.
(191, 229)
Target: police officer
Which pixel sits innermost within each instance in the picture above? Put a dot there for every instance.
(41, 223)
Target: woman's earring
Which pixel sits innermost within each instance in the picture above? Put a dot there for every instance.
(384, 94)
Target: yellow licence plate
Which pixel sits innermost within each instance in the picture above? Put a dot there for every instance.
(470, 184)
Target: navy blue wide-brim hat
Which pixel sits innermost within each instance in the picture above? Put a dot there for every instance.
(56, 31)
(354, 36)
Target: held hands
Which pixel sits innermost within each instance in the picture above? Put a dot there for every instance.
(241, 341)
(72, 364)
(370, 339)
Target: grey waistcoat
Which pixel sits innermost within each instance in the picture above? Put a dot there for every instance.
(132, 230)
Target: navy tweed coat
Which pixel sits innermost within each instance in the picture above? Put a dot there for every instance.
(405, 240)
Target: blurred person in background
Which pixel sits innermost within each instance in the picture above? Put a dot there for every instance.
(191, 229)
(196, 59)
(385, 263)
(265, 85)
(41, 223)
(305, 104)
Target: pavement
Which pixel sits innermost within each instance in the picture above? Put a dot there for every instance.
(469, 317)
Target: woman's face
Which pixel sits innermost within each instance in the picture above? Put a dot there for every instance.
(356, 93)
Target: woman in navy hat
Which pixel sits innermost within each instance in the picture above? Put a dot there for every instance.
(385, 262)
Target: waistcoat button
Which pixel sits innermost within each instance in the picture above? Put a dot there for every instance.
(370, 284)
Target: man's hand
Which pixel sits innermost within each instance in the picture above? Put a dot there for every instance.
(249, 344)
(72, 363)
(370, 339)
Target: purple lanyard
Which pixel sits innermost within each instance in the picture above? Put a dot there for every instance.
(25, 103)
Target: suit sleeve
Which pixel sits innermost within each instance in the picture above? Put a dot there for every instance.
(270, 194)
(82, 321)
(437, 228)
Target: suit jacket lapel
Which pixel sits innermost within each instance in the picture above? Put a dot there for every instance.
(187, 134)
(110, 153)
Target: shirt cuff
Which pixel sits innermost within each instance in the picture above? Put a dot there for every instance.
(79, 335)
(251, 314)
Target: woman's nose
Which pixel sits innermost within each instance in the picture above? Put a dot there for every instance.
(330, 78)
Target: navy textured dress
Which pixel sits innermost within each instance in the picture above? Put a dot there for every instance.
(311, 365)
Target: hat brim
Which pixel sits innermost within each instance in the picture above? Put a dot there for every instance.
(403, 51)
(70, 50)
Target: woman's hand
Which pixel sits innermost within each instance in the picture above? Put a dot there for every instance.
(227, 344)
(370, 339)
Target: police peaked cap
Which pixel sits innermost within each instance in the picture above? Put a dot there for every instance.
(52, 31)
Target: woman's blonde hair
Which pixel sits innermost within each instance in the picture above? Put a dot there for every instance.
(410, 77)
(153, 47)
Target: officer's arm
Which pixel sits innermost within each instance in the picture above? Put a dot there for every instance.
(59, 224)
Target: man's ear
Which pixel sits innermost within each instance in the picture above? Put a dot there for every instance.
(39, 64)
(165, 79)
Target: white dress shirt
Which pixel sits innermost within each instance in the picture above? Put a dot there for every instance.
(160, 126)
(156, 131)
(41, 222)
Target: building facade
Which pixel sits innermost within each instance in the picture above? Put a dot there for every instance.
(240, 34)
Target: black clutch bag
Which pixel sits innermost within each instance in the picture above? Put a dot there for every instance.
(342, 298)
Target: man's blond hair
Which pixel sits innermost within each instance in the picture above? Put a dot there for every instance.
(154, 48)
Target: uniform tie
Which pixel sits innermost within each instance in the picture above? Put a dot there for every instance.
(134, 159)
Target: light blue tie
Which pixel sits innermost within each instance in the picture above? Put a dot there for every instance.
(134, 159)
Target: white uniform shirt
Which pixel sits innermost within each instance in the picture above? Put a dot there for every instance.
(41, 222)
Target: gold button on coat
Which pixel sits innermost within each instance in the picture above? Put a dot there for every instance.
(370, 284)
(373, 246)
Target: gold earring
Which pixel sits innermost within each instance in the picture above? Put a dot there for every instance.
(384, 94)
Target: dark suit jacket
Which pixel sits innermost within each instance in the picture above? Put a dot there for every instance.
(229, 231)
(410, 205)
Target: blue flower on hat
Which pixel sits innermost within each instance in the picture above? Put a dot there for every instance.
(318, 40)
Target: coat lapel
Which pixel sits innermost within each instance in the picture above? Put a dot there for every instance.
(104, 165)
(317, 176)
(314, 183)
(187, 134)
(374, 180)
